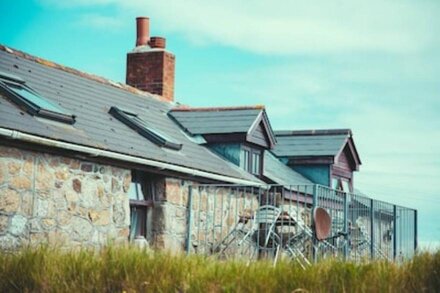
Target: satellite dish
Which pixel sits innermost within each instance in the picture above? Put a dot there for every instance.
(323, 223)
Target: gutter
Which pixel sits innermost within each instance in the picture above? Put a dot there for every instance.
(93, 152)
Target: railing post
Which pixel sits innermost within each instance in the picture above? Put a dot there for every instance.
(347, 233)
(189, 221)
(372, 229)
(415, 231)
(395, 232)
(314, 205)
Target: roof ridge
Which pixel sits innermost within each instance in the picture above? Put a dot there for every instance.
(77, 72)
(184, 108)
(310, 132)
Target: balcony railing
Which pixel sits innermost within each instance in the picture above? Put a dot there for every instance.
(304, 223)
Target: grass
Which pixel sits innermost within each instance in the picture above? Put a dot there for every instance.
(119, 269)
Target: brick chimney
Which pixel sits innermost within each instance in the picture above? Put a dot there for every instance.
(150, 67)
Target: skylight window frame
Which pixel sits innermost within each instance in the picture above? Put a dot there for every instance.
(33, 109)
(133, 121)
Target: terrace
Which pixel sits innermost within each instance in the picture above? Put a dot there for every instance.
(305, 223)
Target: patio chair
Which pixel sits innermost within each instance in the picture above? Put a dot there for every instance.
(235, 244)
(361, 242)
(316, 238)
(263, 232)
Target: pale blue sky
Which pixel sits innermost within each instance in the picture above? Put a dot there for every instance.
(372, 66)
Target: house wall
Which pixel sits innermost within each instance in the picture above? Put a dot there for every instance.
(318, 174)
(230, 152)
(72, 203)
(60, 201)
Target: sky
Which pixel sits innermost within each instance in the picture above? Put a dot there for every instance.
(372, 66)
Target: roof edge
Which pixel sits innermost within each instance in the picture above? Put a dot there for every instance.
(94, 152)
(184, 108)
(342, 131)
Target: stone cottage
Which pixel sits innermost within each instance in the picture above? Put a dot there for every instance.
(85, 161)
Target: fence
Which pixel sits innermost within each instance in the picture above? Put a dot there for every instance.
(275, 222)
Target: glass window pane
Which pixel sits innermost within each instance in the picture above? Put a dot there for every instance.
(255, 163)
(138, 224)
(37, 100)
(132, 191)
(154, 131)
(246, 154)
(345, 186)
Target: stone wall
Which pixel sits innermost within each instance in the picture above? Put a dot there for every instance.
(215, 212)
(60, 201)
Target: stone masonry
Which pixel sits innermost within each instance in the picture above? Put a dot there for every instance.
(60, 201)
(215, 212)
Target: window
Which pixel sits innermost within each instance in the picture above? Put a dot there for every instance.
(246, 160)
(341, 184)
(251, 160)
(133, 121)
(16, 89)
(255, 163)
(345, 185)
(140, 194)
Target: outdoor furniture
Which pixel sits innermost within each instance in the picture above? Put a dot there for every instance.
(315, 237)
(261, 237)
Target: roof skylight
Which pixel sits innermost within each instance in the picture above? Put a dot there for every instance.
(21, 94)
(133, 121)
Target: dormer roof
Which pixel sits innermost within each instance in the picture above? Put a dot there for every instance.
(227, 124)
(325, 145)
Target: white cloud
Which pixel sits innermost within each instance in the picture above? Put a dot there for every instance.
(289, 27)
(99, 21)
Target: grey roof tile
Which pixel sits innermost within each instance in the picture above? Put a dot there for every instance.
(90, 101)
(216, 122)
(309, 145)
(281, 174)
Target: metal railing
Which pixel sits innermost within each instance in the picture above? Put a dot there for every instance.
(276, 222)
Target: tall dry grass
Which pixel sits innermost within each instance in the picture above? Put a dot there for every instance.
(118, 269)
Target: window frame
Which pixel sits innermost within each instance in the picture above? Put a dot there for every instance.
(141, 182)
(248, 163)
(340, 185)
(136, 123)
(6, 81)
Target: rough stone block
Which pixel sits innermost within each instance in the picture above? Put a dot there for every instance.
(9, 200)
(28, 167)
(2, 174)
(14, 167)
(64, 218)
(48, 223)
(9, 242)
(20, 183)
(100, 218)
(26, 203)
(44, 180)
(76, 185)
(4, 224)
(18, 225)
(81, 229)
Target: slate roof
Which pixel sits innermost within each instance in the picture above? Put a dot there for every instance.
(280, 173)
(307, 143)
(216, 120)
(90, 98)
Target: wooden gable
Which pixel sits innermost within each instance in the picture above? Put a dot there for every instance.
(261, 132)
(347, 160)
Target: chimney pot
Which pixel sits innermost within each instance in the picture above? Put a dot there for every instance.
(157, 42)
(142, 31)
(148, 69)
